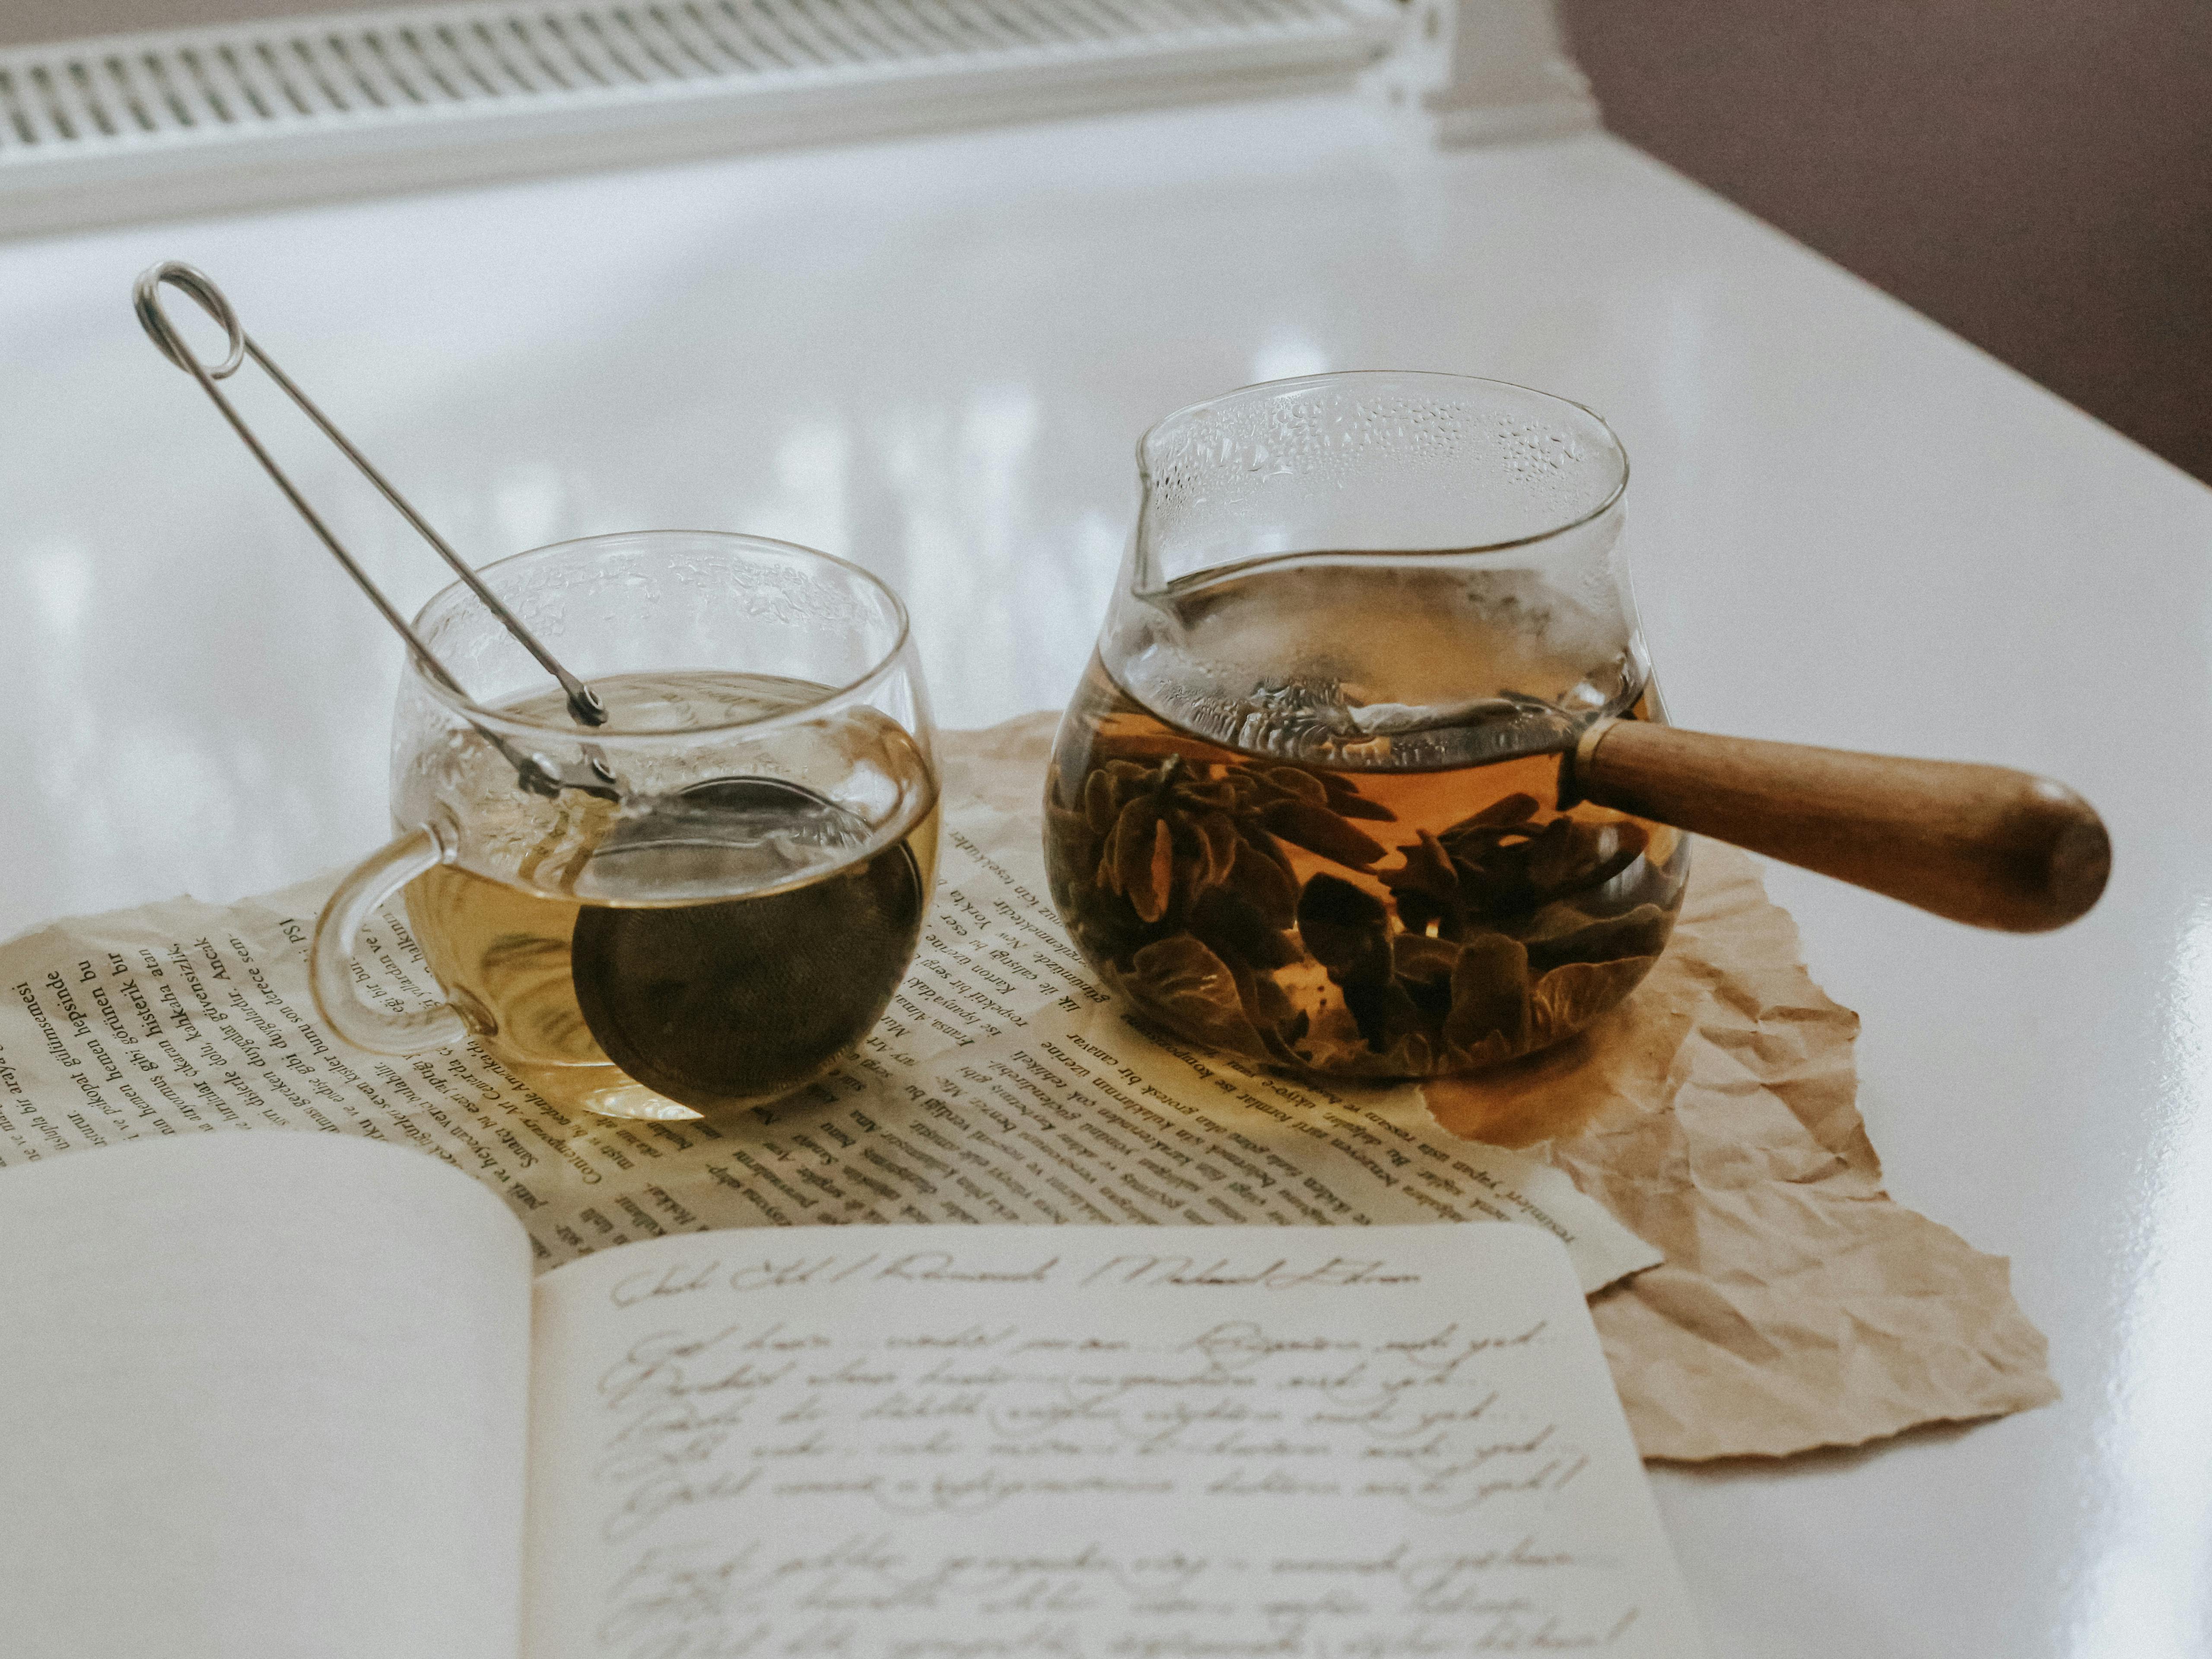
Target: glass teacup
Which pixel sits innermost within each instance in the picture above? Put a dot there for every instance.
(1307, 802)
(696, 906)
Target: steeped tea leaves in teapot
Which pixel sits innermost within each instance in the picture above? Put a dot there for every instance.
(1333, 898)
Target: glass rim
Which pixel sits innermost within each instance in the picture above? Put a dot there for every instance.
(508, 725)
(1340, 376)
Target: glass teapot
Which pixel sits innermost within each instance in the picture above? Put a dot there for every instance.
(1307, 804)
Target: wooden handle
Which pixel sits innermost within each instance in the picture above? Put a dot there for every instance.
(1984, 845)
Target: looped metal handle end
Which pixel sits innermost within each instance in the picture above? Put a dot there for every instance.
(146, 296)
(584, 703)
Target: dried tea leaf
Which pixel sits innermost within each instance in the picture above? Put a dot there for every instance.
(1513, 810)
(1346, 929)
(1130, 852)
(1194, 871)
(1199, 795)
(1428, 871)
(1359, 805)
(1233, 928)
(1490, 993)
(1105, 880)
(1272, 1007)
(1506, 870)
(1418, 913)
(1582, 856)
(1071, 829)
(1423, 966)
(1411, 1054)
(1181, 982)
(1489, 1051)
(1471, 840)
(1339, 1050)
(1319, 830)
(1254, 833)
(1099, 804)
(1497, 885)
(1344, 796)
(1272, 1012)
(1290, 1045)
(1219, 837)
(1265, 883)
(1106, 930)
(1569, 997)
(1385, 1015)
(1564, 935)
(1417, 956)
(1149, 882)
(1494, 850)
(1297, 785)
(1426, 888)
(1557, 855)
(1181, 969)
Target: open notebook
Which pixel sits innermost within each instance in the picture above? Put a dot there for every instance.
(294, 1394)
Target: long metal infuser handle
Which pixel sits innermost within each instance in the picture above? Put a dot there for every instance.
(584, 703)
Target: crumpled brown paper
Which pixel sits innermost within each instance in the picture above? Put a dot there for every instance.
(1713, 1114)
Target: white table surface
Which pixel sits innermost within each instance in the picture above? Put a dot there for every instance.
(934, 355)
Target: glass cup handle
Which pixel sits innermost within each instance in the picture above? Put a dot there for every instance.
(337, 937)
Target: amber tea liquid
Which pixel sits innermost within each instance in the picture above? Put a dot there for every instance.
(1314, 855)
(718, 949)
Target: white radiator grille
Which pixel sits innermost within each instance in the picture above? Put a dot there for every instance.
(226, 113)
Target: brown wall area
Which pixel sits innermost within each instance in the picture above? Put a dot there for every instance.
(2034, 174)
